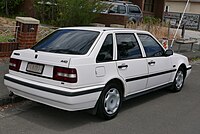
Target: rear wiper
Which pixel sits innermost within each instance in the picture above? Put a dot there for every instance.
(65, 51)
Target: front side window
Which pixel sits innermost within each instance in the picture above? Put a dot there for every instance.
(127, 47)
(68, 41)
(106, 52)
(151, 47)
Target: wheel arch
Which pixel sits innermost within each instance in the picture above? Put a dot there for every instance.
(132, 19)
(183, 66)
(119, 82)
(122, 88)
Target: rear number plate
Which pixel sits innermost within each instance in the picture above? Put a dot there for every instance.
(35, 68)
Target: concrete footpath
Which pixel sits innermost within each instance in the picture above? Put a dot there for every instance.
(4, 63)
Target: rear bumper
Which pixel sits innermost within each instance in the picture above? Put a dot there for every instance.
(59, 97)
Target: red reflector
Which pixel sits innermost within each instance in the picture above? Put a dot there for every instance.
(14, 64)
(65, 74)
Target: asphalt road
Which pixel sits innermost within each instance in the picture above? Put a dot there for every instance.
(159, 112)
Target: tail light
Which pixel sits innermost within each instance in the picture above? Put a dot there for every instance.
(14, 64)
(65, 74)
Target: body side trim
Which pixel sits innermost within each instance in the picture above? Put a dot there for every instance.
(147, 91)
(51, 90)
(150, 75)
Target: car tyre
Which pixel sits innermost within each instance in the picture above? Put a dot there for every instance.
(109, 102)
(178, 81)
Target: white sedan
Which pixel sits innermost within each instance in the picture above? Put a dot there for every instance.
(95, 68)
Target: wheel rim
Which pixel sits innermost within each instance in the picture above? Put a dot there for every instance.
(112, 101)
(179, 79)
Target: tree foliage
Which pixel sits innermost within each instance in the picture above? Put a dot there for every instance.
(68, 12)
(9, 7)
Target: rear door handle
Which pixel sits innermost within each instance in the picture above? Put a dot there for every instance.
(122, 66)
(151, 62)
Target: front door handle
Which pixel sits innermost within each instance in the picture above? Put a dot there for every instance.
(122, 66)
(151, 62)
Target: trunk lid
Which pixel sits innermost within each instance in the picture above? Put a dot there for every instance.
(38, 65)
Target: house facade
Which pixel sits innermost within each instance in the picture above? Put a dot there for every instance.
(153, 8)
(179, 5)
(174, 10)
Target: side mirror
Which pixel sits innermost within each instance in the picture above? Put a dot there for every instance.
(169, 52)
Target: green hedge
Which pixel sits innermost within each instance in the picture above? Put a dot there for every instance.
(67, 12)
(9, 7)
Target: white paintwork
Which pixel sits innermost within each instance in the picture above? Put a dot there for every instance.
(162, 64)
(135, 68)
(72, 103)
(91, 75)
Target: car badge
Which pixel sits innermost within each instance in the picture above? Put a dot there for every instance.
(64, 61)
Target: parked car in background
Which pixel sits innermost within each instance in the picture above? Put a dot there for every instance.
(133, 12)
(80, 68)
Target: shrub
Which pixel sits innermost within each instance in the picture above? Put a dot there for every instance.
(9, 7)
(151, 20)
(67, 12)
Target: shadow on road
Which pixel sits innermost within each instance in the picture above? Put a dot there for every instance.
(60, 120)
(144, 98)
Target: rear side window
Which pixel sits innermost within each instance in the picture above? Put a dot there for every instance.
(133, 10)
(127, 47)
(151, 47)
(117, 9)
(67, 42)
(113, 9)
(106, 52)
(121, 9)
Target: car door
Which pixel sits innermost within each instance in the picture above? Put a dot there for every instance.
(160, 66)
(132, 67)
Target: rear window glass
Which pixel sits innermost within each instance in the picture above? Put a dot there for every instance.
(133, 9)
(67, 42)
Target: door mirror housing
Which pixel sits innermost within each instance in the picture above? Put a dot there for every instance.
(169, 52)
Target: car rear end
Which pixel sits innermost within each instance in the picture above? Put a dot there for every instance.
(134, 12)
(44, 73)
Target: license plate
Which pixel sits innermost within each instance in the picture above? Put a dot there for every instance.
(35, 68)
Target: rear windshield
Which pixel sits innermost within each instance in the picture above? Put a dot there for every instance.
(67, 42)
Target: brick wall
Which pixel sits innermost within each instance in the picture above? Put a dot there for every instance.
(6, 48)
(26, 40)
(158, 8)
(26, 35)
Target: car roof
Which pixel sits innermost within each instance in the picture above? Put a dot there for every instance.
(119, 3)
(101, 29)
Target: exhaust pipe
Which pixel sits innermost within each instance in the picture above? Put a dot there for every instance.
(11, 94)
